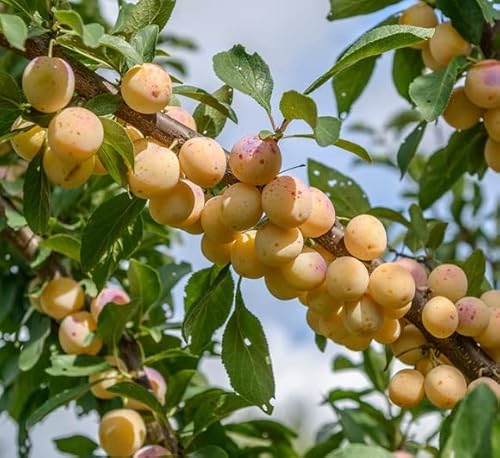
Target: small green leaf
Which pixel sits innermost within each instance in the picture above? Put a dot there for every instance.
(106, 225)
(147, 12)
(419, 225)
(245, 356)
(475, 268)
(208, 296)
(431, 92)
(14, 219)
(409, 147)
(36, 196)
(92, 34)
(374, 364)
(407, 65)
(320, 342)
(123, 47)
(76, 365)
(389, 214)
(204, 97)
(477, 413)
(60, 399)
(210, 121)
(294, 105)
(436, 234)
(210, 451)
(39, 327)
(64, 244)
(327, 130)
(144, 283)
(358, 451)
(446, 166)
(103, 104)
(76, 445)
(139, 393)
(113, 320)
(340, 9)
(354, 148)
(341, 363)
(347, 196)
(350, 84)
(144, 41)
(247, 73)
(70, 18)
(373, 43)
(14, 29)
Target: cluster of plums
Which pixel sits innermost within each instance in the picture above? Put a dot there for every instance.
(479, 97)
(264, 225)
(122, 432)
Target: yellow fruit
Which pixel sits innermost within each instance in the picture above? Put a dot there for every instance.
(121, 432)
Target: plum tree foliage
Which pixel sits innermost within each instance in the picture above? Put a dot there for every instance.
(98, 177)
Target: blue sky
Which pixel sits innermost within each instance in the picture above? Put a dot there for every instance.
(298, 43)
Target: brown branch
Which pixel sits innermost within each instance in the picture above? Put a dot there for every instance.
(463, 352)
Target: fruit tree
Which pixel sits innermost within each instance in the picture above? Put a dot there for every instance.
(103, 171)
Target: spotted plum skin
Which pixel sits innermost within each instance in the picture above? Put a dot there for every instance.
(255, 161)
(74, 334)
(146, 88)
(48, 83)
(287, 201)
(75, 134)
(181, 115)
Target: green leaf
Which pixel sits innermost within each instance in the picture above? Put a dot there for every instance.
(466, 16)
(210, 451)
(204, 97)
(245, 356)
(106, 225)
(147, 12)
(36, 200)
(489, 12)
(144, 41)
(210, 121)
(407, 65)
(476, 413)
(294, 105)
(374, 364)
(72, 19)
(39, 327)
(323, 448)
(409, 147)
(116, 150)
(64, 244)
(139, 393)
(358, 451)
(76, 445)
(348, 197)
(373, 43)
(60, 399)
(10, 93)
(123, 47)
(113, 320)
(76, 365)
(431, 92)
(341, 363)
(320, 342)
(475, 268)
(340, 9)
(446, 166)
(350, 84)
(14, 29)
(389, 214)
(354, 148)
(208, 296)
(92, 34)
(327, 130)
(103, 104)
(436, 234)
(144, 283)
(418, 225)
(246, 73)
(14, 219)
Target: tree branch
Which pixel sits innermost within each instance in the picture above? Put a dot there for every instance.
(463, 352)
